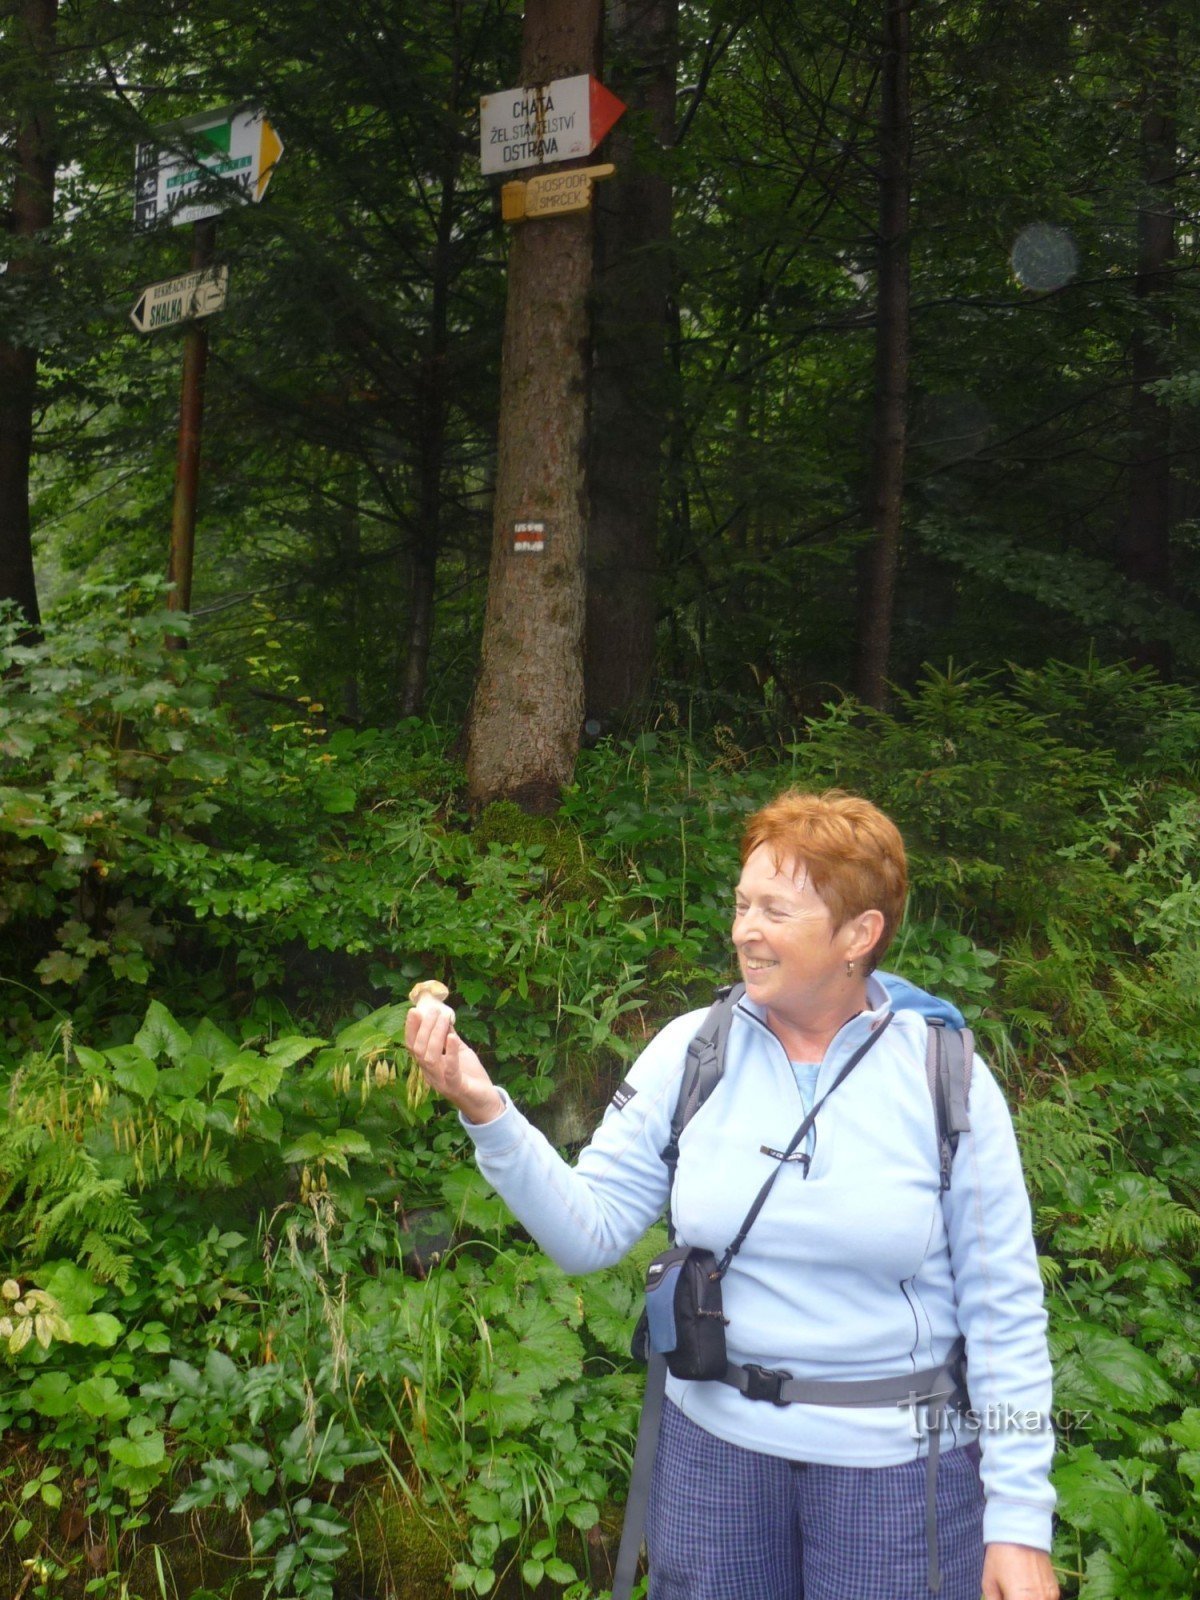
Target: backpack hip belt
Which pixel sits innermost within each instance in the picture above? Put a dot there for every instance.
(937, 1389)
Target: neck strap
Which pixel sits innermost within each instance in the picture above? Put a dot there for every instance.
(800, 1133)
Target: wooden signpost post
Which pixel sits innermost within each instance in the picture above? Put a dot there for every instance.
(191, 173)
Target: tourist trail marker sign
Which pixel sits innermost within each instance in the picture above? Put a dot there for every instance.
(195, 294)
(203, 165)
(545, 122)
(551, 194)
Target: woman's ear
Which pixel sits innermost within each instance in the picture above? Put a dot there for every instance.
(861, 934)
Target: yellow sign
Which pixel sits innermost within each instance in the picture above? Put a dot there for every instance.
(551, 194)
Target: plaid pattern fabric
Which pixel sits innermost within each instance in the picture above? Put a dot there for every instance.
(731, 1524)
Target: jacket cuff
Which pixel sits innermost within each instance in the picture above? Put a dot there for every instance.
(501, 1133)
(1017, 1522)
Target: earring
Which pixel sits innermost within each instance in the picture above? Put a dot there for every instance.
(849, 969)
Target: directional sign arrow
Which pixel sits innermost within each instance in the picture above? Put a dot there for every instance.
(542, 123)
(551, 194)
(201, 166)
(605, 109)
(195, 294)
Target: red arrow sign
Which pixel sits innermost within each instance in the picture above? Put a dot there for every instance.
(605, 108)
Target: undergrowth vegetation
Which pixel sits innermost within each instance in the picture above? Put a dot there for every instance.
(265, 1331)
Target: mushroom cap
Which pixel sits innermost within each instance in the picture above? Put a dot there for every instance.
(428, 988)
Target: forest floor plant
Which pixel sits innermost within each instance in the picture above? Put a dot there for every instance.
(264, 1331)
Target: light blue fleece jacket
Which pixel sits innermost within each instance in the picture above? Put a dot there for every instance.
(861, 1269)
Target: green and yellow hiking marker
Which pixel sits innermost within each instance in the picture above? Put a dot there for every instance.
(198, 168)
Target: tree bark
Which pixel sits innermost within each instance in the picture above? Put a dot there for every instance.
(30, 214)
(433, 399)
(182, 556)
(881, 556)
(631, 383)
(1144, 544)
(527, 710)
(431, 423)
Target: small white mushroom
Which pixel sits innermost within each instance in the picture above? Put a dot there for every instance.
(428, 989)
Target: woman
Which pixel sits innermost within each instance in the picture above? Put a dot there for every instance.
(857, 1267)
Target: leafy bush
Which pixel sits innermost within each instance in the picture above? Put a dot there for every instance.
(249, 1265)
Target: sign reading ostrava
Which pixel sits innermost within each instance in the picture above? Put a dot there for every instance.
(195, 294)
(557, 121)
(201, 166)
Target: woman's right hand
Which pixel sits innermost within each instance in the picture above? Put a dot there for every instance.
(448, 1065)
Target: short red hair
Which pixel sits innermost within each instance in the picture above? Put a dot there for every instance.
(853, 854)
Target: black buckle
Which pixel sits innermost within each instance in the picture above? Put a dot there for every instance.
(765, 1383)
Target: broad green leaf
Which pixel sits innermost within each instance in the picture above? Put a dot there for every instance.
(292, 1048)
(376, 1032)
(221, 1372)
(252, 1072)
(50, 1394)
(161, 1035)
(1139, 1562)
(337, 801)
(61, 966)
(188, 1078)
(200, 766)
(149, 1450)
(100, 1397)
(73, 1288)
(1088, 1488)
(95, 1327)
(1107, 1369)
(215, 1047)
(186, 1378)
(328, 1147)
(133, 1070)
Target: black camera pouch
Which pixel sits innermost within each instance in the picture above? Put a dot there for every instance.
(683, 1319)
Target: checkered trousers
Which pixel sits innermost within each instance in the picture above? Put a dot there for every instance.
(730, 1524)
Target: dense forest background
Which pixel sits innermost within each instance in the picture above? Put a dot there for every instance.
(883, 424)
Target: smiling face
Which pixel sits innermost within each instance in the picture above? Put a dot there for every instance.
(793, 959)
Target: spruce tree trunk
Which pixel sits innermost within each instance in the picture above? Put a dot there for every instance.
(431, 422)
(1144, 545)
(881, 556)
(631, 384)
(527, 710)
(30, 213)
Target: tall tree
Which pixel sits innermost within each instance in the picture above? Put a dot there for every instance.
(27, 86)
(1144, 545)
(881, 556)
(527, 711)
(630, 375)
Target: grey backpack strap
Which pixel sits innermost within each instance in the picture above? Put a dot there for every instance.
(702, 1069)
(705, 1058)
(949, 1055)
(638, 1499)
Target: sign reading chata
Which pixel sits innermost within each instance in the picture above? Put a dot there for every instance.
(203, 165)
(558, 121)
(529, 538)
(183, 299)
